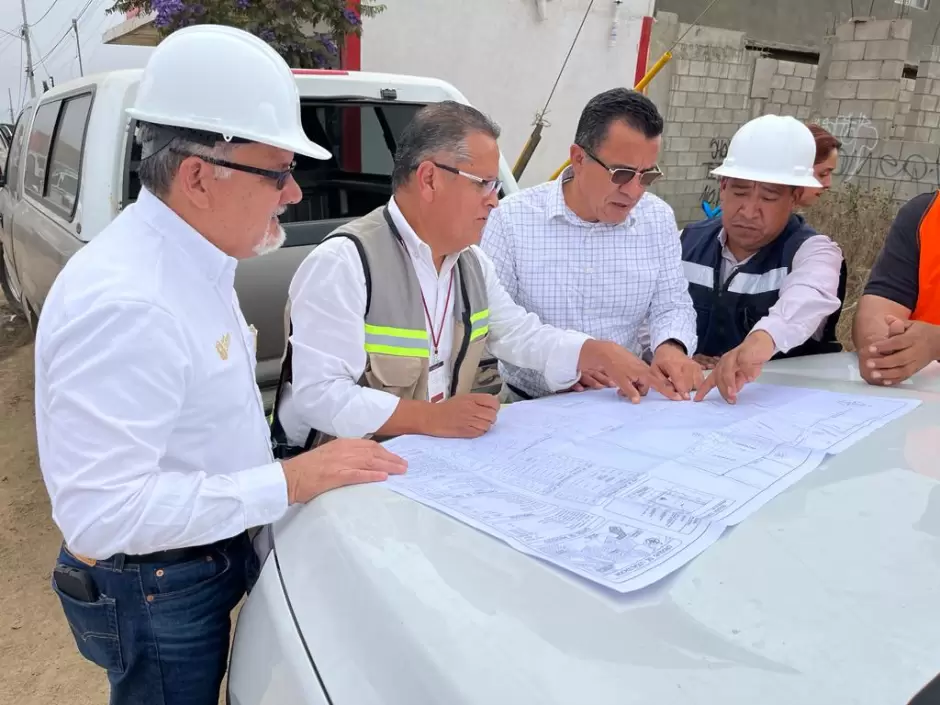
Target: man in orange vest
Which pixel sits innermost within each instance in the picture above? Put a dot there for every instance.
(897, 326)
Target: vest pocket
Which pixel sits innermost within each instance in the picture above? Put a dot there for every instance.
(395, 375)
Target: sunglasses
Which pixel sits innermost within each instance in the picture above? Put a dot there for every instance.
(278, 177)
(624, 175)
(487, 185)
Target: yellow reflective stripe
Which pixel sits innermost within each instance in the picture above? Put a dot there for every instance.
(485, 313)
(396, 332)
(479, 332)
(397, 351)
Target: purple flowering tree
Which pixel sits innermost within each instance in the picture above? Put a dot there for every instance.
(307, 33)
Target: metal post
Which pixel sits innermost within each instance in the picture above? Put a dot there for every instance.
(81, 69)
(29, 53)
(12, 116)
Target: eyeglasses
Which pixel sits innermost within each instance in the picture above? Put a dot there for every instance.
(278, 177)
(487, 185)
(624, 175)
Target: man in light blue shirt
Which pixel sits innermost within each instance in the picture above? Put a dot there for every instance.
(593, 251)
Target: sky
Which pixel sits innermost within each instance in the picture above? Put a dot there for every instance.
(49, 21)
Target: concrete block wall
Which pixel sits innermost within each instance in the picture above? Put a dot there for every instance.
(889, 125)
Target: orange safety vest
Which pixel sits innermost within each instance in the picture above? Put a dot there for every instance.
(928, 274)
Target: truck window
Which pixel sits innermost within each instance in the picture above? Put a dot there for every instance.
(37, 149)
(362, 137)
(12, 170)
(65, 161)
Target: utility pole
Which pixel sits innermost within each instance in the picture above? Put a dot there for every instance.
(78, 43)
(12, 116)
(29, 53)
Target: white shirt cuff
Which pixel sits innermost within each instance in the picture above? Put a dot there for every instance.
(561, 368)
(263, 491)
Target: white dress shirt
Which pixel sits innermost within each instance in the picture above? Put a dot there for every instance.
(151, 429)
(605, 280)
(808, 294)
(328, 303)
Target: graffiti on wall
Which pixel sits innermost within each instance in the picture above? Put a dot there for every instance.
(859, 138)
(719, 150)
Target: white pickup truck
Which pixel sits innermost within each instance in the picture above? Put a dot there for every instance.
(72, 167)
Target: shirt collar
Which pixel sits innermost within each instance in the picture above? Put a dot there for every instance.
(417, 248)
(558, 208)
(726, 253)
(217, 266)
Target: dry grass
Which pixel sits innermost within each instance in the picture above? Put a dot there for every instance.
(858, 220)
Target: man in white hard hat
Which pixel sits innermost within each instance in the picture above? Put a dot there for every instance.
(152, 437)
(763, 282)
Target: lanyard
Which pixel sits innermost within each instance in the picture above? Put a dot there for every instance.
(436, 338)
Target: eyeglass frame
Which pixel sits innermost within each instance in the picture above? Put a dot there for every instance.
(655, 170)
(279, 177)
(489, 185)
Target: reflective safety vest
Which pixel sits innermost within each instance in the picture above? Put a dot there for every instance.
(397, 344)
(928, 272)
(726, 312)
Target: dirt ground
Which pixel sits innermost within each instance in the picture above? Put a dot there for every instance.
(39, 663)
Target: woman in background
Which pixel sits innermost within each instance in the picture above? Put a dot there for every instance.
(827, 160)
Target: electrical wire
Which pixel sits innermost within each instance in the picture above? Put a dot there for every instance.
(54, 3)
(541, 115)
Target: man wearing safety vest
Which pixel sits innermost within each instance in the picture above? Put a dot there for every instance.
(897, 325)
(764, 283)
(390, 315)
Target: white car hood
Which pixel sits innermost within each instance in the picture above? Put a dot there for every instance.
(829, 594)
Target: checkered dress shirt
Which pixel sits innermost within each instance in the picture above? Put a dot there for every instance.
(608, 281)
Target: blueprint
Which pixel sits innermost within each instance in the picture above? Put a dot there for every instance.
(625, 494)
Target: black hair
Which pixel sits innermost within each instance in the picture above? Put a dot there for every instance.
(628, 106)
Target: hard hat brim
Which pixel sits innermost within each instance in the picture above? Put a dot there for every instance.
(298, 144)
(766, 177)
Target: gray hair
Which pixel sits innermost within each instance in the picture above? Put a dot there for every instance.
(435, 129)
(160, 161)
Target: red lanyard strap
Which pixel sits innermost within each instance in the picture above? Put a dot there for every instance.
(436, 338)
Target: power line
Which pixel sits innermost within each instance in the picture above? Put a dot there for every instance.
(54, 3)
(10, 34)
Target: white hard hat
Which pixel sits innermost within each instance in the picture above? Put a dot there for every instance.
(773, 149)
(223, 81)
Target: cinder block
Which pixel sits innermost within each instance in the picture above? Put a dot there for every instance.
(739, 117)
(697, 68)
(829, 108)
(710, 85)
(883, 110)
(717, 69)
(838, 69)
(740, 87)
(704, 115)
(684, 115)
(879, 90)
(727, 86)
(845, 32)
(840, 89)
(787, 68)
(671, 130)
(921, 134)
(868, 70)
(679, 144)
(794, 83)
(934, 136)
(930, 102)
(886, 50)
(809, 85)
(813, 71)
(850, 51)
(856, 108)
(691, 83)
(714, 100)
(677, 99)
(703, 143)
(803, 70)
(931, 119)
(670, 158)
(695, 100)
(683, 66)
(723, 115)
(929, 69)
(901, 29)
(736, 102)
(892, 70)
(780, 96)
(798, 98)
(691, 129)
(778, 82)
(789, 109)
(869, 30)
(740, 72)
(803, 112)
(687, 159)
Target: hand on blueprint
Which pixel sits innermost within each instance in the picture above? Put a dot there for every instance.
(346, 461)
(909, 347)
(464, 416)
(630, 374)
(592, 380)
(684, 373)
(739, 366)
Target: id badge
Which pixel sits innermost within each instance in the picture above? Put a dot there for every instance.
(437, 382)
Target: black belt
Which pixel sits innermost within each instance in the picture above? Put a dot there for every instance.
(519, 392)
(178, 555)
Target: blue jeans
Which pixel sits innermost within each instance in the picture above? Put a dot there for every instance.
(161, 630)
